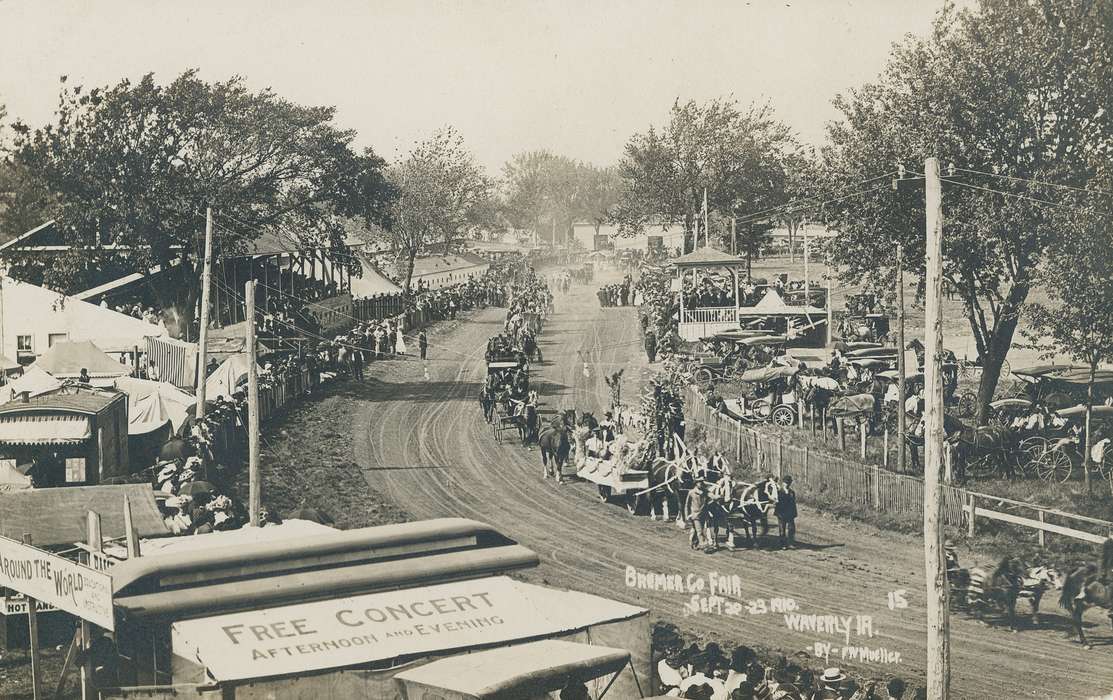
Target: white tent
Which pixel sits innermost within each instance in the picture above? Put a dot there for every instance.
(225, 378)
(151, 404)
(35, 318)
(35, 381)
(372, 282)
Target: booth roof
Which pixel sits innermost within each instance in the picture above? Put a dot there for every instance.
(520, 671)
(55, 516)
(527, 612)
(66, 359)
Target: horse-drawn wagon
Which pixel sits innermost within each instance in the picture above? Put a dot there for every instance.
(614, 481)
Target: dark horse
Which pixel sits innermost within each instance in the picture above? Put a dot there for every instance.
(950, 367)
(914, 436)
(555, 446)
(750, 506)
(669, 483)
(1090, 586)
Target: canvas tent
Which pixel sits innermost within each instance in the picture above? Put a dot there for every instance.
(225, 378)
(35, 318)
(372, 282)
(35, 382)
(151, 404)
(66, 359)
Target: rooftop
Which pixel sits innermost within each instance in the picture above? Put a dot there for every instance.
(69, 399)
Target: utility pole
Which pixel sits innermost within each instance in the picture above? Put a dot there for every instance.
(807, 279)
(254, 488)
(938, 639)
(830, 312)
(203, 336)
(901, 365)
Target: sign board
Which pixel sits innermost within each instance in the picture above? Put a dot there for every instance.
(360, 629)
(18, 606)
(67, 585)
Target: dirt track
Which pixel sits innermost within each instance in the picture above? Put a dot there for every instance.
(424, 444)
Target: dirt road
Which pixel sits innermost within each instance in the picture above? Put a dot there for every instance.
(422, 441)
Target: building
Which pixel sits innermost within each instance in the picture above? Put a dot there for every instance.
(67, 437)
(591, 237)
(32, 319)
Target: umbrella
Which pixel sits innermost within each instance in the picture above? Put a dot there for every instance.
(195, 488)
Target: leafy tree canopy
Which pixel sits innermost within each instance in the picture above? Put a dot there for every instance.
(1008, 92)
(135, 165)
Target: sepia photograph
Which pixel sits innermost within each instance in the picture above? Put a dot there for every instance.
(556, 349)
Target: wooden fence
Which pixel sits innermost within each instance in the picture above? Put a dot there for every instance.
(825, 479)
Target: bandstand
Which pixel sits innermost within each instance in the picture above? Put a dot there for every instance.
(698, 321)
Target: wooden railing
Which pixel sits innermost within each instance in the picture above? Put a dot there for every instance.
(712, 314)
(825, 479)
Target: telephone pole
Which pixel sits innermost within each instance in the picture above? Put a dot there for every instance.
(254, 488)
(203, 336)
(902, 426)
(938, 640)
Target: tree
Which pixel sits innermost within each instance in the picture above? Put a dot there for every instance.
(737, 156)
(1077, 275)
(444, 197)
(545, 191)
(1011, 92)
(135, 165)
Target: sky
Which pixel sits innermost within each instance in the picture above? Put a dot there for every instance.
(577, 77)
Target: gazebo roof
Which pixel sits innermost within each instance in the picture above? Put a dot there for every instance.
(708, 257)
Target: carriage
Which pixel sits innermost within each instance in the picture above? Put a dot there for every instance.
(502, 418)
(778, 408)
(1053, 457)
(865, 319)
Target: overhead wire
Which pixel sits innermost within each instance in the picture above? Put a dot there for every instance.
(798, 203)
(1042, 183)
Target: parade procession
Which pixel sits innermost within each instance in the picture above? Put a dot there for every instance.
(536, 350)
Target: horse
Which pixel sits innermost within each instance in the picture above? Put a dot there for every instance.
(914, 436)
(1002, 587)
(750, 504)
(669, 483)
(986, 442)
(554, 445)
(527, 421)
(858, 407)
(1089, 586)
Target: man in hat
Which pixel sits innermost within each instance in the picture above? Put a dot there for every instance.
(695, 512)
(651, 346)
(422, 343)
(830, 683)
(786, 513)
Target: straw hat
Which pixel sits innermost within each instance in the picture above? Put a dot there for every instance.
(832, 675)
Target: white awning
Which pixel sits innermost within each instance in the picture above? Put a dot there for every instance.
(44, 429)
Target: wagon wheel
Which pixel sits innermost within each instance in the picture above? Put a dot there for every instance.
(1104, 468)
(1054, 465)
(604, 493)
(982, 466)
(1031, 451)
(783, 416)
(967, 404)
(702, 376)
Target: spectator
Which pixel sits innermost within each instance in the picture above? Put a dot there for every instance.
(895, 689)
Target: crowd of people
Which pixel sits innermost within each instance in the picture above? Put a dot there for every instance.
(619, 294)
(708, 673)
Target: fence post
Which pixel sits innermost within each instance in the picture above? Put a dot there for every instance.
(1042, 534)
(877, 488)
(841, 425)
(811, 417)
(862, 428)
(948, 463)
(780, 457)
(885, 446)
(972, 500)
(800, 412)
(807, 455)
(823, 423)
